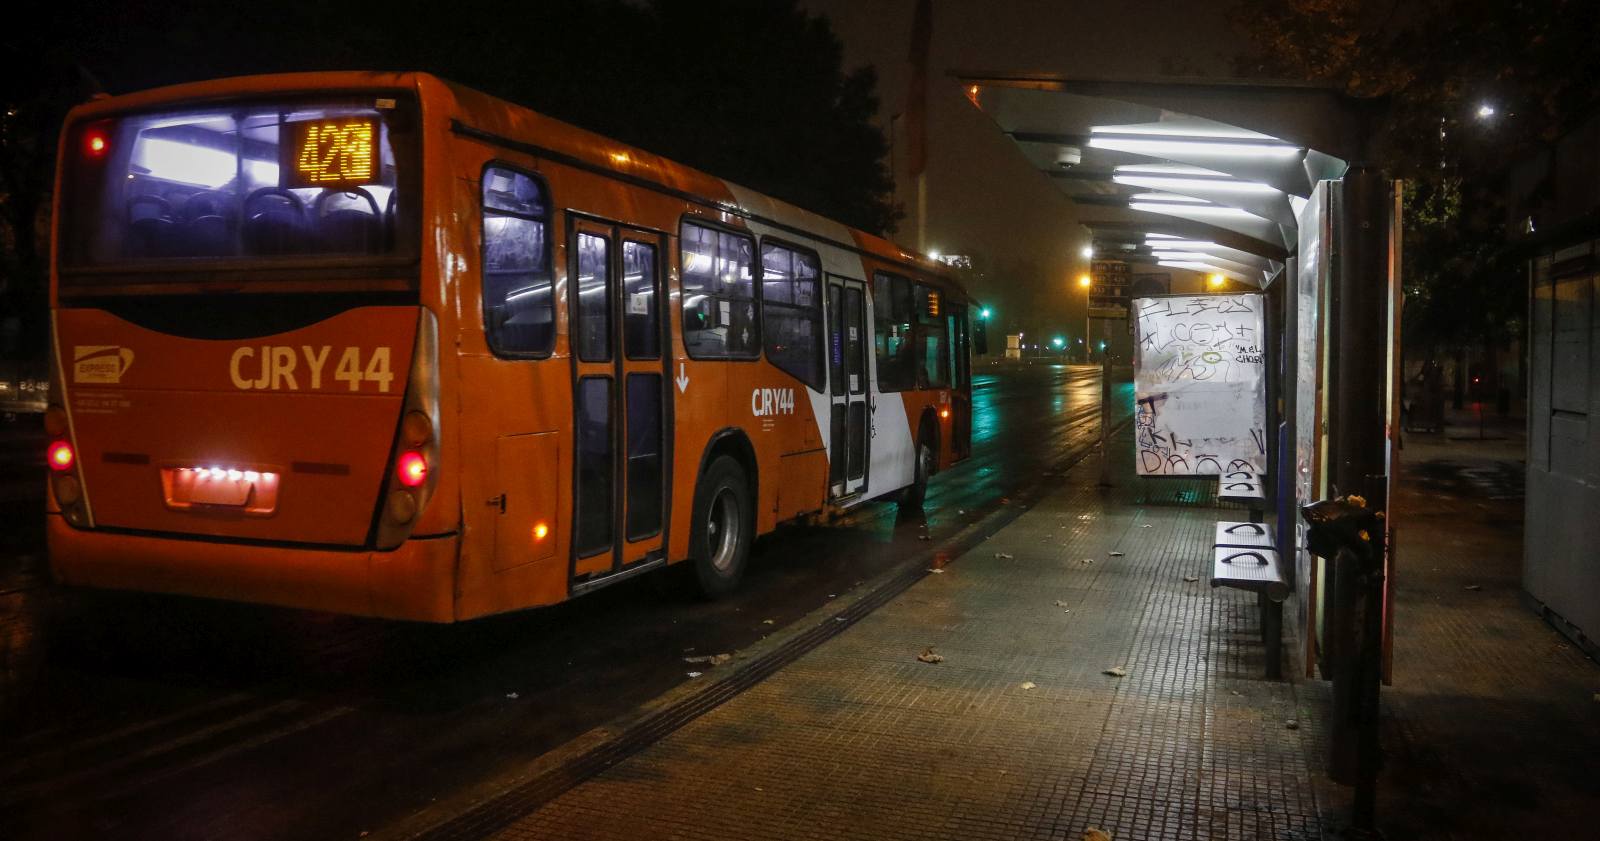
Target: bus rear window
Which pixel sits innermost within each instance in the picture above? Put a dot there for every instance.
(241, 182)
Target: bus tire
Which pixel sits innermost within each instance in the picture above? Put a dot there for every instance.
(912, 495)
(723, 528)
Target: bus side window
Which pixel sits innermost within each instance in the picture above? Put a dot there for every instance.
(518, 304)
(892, 341)
(791, 312)
(717, 276)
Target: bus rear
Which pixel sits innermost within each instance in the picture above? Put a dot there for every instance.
(245, 379)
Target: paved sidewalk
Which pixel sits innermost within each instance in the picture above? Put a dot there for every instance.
(1493, 724)
(857, 739)
(1490, 729)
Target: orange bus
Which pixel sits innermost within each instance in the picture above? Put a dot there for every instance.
(379, 344)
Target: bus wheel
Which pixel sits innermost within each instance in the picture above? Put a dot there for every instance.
(723, 528)
(912, 495)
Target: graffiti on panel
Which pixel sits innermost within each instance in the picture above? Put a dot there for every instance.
(1199, 385)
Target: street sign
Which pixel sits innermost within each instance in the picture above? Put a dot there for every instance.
(1108, 289)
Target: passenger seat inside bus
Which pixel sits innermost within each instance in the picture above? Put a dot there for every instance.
(150, 226)
(274, 222)
(353, 227)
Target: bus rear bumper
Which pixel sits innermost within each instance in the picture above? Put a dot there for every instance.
(414, 582)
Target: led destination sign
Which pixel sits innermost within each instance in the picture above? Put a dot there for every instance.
(329, 152)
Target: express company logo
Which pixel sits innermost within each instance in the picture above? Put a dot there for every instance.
(100, 364)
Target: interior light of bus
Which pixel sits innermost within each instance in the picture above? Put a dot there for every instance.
(60, 456)
(412, 469)
(540, 532)
(174, 160)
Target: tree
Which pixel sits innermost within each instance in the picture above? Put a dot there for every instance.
(1463, 88)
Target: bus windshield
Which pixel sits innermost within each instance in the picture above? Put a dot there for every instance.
(241, 182)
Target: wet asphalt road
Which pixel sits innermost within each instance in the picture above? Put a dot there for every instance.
(133, 716)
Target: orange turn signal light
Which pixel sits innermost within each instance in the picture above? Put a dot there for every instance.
(540, 532)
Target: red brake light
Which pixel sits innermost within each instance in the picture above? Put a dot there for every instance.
(95, 143)
(60, 456)
(412, 469)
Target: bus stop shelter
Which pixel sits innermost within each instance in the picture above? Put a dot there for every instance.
(1272, 186)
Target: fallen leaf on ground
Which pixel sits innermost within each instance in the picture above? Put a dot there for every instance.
(1027, 684)
(1060, 603)
(1086, 561)
(1096, 834)
(927, 656)
(1234, 692)
(512, 696)
(1191, 579)
(1116, 671)
(936, 570)
(709, 659)
(766, 621)
(1474, 586)
(1116, 554)
(1292, 724)
(1146, 526)
(1006, 556)
(695, 674)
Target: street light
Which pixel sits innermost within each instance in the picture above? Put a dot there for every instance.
(1087, 252)
(985, 313)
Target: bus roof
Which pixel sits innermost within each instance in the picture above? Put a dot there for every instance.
(594, 149)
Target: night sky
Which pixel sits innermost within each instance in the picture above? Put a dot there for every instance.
(982, 196)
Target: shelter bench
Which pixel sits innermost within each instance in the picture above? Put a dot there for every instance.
(1243, 557)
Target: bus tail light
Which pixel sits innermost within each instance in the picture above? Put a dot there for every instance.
(55, 422)
(60, 456)
(413, 471)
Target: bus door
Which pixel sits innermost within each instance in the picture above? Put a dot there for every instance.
(960, 347)
(848, 438)
(618, 340)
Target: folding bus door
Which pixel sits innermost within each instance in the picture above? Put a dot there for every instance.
(849, 437)
(620, 414)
